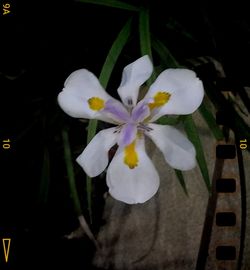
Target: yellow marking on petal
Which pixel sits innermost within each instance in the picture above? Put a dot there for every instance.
(131, 156)
(96, 103)
(160, 99)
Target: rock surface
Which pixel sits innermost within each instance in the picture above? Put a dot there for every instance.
(165, 232)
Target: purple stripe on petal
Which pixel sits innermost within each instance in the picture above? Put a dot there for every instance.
(127, 135)
(116, 111)
(140, 112)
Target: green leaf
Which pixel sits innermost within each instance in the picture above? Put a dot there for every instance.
(71, 173)
(104, 77)
(211, 122)
(91, 133)
(145, 41)
(114, 53)
(166, 57)
(181, 180)
(165, 120)
(111, 3)
(193, 136)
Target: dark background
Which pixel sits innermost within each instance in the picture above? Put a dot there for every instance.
(41, 44)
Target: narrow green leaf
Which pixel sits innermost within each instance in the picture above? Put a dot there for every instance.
(181, 180)
(165, 120)
(211, 122)
(70, 173)
(104, 77)
(111, 3)
(114, 53)
(165, 55)
(145, 41)
(91, 129)
(91, 133)
(193, 136)
(89, 196)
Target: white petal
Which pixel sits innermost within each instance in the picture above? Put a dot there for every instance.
(94, 159)
(178, 151)
(80, 86)
(135, 185)
(133, 76)
(185, 88)
(84, 84)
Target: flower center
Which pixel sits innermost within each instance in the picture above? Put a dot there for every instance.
(160, 99)
(96, 103)
(131, 156)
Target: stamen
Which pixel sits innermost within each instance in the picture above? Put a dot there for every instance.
(129, 104)
(130, 101)
(143, 127)
(118, 129)
(131, 156)
(160, 99)
(96, 103)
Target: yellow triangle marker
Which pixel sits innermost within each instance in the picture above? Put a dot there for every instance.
(6, 250)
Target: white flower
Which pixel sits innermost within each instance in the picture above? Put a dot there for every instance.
(131, 175)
